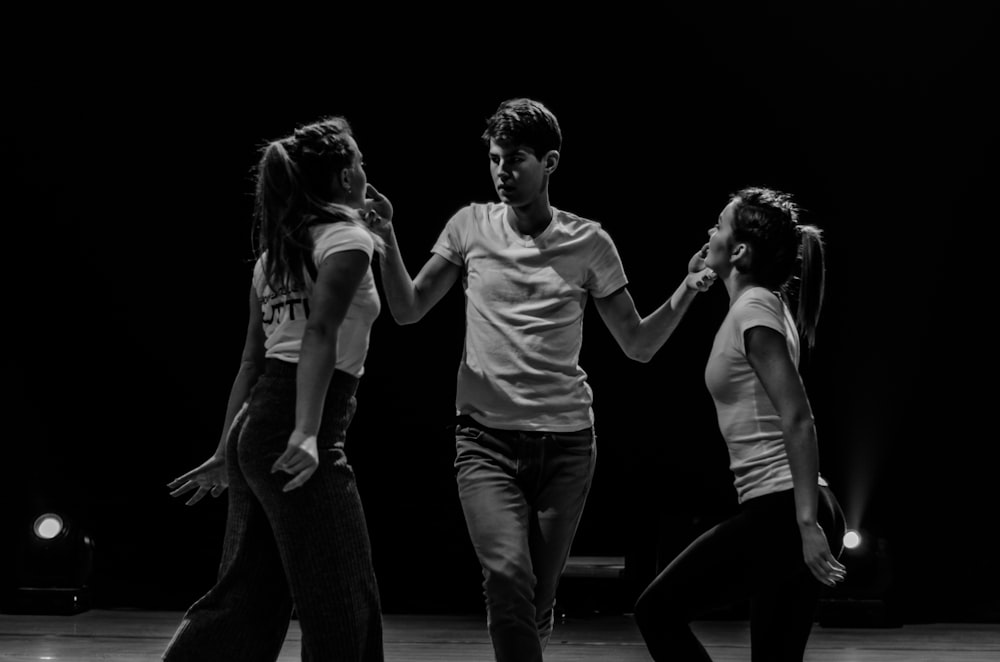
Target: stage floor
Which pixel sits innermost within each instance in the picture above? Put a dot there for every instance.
(140, 636)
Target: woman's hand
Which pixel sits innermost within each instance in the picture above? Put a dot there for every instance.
(300, 459)
(209, 478)
(378, 212)
(818, 557)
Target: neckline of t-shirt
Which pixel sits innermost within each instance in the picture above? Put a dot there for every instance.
(523, 239)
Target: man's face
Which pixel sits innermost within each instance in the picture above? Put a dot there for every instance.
(518, 174)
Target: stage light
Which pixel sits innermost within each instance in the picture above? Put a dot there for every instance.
(48, 526)
(862, 599)
(53, 564)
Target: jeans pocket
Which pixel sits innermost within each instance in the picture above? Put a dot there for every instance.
(466, 429)
(575, 443)
(468, 440)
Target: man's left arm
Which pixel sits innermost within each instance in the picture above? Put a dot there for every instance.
(641, 337)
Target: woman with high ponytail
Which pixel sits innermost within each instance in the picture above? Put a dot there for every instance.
(295, 530)
(778, 550)
(812, 281)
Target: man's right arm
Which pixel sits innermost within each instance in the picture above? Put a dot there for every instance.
(410, 299)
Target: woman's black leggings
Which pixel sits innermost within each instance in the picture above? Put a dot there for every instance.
(756, 554)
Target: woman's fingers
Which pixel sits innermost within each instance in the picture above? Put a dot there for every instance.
(281, 463)
(828, 571)
(293, 461)
(210, 478)
(198, 496)
(183, 489)
(836, 571)
(184, 477)
(820, 575)
(299, 479)
(300, 458)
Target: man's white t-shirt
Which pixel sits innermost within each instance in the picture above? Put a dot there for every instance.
(525, 299)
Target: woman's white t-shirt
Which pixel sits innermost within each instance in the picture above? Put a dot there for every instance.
(748, 420)
(285, 311)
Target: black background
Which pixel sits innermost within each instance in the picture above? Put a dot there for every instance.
(130, 154)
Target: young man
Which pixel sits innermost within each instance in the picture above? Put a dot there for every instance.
(525, 436)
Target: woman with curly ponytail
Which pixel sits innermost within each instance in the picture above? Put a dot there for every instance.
(301, 540)
(778, 550)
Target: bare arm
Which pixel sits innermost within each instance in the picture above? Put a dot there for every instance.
(210, 476)
(251, 367)
(641, 337)
(410, 299)
(768, 354)
(337, 281)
